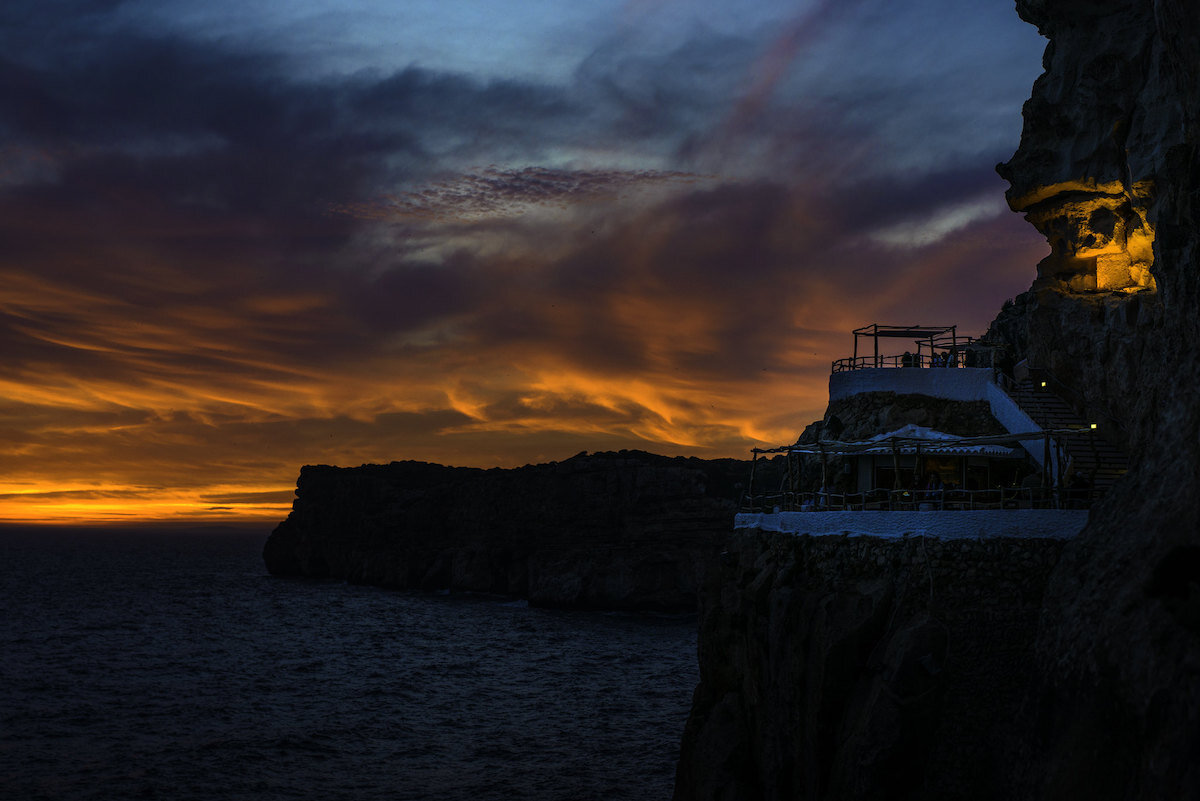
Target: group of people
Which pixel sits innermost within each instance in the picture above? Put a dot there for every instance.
(943, 359)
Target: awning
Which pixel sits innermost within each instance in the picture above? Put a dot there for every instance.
(911, 438)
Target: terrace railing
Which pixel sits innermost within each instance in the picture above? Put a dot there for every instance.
(924, 500)
(970, 358)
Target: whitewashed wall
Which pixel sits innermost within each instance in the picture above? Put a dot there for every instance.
(950, 383)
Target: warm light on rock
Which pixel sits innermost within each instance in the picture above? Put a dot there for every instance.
(1099, 235)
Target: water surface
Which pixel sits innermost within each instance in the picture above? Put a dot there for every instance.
(168, 664)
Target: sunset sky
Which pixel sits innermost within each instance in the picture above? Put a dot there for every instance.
(241, 236)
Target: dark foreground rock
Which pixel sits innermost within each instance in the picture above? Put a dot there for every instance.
(863, 668)
(626, 530)
(1114, 708)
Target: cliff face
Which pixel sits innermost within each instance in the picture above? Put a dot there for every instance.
(862, 668)
(1106, 170)
(824, 677)
(1115, 706)
(625, 530)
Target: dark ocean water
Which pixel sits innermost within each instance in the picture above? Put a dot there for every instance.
(170, 665)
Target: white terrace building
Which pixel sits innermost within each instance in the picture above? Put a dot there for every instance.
(1038, 480)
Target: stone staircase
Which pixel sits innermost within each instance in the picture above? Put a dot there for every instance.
(1088, 453)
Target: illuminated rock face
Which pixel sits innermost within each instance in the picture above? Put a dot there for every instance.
(1097, 129)
(1100, 239)
(1102, 172)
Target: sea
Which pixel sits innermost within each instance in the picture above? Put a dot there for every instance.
(167, 664)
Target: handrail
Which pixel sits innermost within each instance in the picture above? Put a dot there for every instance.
(960, 358)
(926, 500)
(1077, 401)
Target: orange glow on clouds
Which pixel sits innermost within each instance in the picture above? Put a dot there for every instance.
(84, 504)
(660, 247)
(155, 390)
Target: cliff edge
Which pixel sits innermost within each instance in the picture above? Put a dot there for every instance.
(1114, 711)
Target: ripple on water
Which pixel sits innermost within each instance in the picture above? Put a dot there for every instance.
(169, 665)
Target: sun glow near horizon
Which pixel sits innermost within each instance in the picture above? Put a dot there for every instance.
(180, 468)
(80, 504)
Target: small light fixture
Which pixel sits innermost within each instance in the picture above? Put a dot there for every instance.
(1093, 425)
(1043, 385)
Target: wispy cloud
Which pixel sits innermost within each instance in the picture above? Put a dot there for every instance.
(939, 224)
(494, 192)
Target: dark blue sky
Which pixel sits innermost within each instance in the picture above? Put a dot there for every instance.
(237, 237)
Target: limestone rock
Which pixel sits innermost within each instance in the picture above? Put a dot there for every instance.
(1097, 128)
(837, 668)
(1117, 696)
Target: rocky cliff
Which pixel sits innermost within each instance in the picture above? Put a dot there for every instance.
(1106, 170)
(626, 530)
(822, 677)
(1114, 711)
(862, 668)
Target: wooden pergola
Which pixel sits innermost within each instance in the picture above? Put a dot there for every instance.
(923, 335)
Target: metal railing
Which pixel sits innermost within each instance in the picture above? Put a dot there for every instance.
(970, 358)
(924, 500)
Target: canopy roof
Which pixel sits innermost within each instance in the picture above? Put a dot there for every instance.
(911, 438)
(904, 331)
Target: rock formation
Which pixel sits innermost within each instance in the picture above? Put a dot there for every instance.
(1115, 709)
(862, 668)
(823, 673)
(626, 530)
(1105, 170)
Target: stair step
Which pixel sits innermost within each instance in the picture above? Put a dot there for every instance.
(1089, 454)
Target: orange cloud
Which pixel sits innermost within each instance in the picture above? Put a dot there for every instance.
(701, 323)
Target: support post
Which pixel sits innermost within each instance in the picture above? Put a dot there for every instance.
(1060, 477)
(790, 498)
(1047, 462)
(895, 465)
(918, 474)
(824, 468)
(750, 486)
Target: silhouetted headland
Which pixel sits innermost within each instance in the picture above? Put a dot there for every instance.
(622, 531)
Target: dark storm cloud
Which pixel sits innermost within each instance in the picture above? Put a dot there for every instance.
(215, 164)
(215, 129)
(720, 280)
(663, 94)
